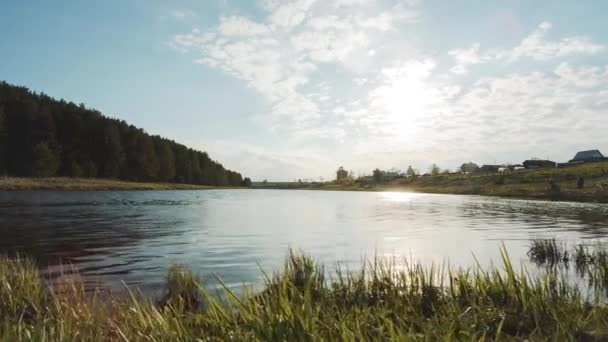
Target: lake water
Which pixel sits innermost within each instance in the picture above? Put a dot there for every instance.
(133, 236)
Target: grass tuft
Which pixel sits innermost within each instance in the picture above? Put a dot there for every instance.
(385, 300)
(548, 252)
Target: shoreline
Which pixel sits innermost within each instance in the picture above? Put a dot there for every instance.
(595, 192)
(564, 197)
(555, 184)
(92, 184)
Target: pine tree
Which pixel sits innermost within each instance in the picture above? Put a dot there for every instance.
(112, 152)
(75, 170)
(166, 160)
(3, 142)
(197, 174)
(44, 137)
(89, 169)
(410, 171)
(147, 160)
(45, 161)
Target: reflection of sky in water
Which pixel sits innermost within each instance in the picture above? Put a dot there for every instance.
(134, 236)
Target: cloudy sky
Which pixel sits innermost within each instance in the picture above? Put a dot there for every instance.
(286, 89)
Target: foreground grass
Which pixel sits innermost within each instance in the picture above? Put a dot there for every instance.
(64, 183)
(384, 301)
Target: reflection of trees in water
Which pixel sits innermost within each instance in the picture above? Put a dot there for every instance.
(590, 219)
(82, 225)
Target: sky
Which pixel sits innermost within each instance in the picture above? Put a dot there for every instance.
(293, 89)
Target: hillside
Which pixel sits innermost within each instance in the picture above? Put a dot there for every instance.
(44, 137)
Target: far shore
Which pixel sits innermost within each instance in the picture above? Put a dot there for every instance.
(523, 184)
(91, 184)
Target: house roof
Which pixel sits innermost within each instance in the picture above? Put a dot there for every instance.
(586, 155)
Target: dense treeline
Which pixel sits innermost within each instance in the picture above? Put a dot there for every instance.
(43, 137)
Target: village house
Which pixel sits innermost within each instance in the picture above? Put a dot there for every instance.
(390, 175)
(588, 157)
(489, 168)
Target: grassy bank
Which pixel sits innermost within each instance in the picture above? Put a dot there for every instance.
(530, 184)
(64, 183)
(521, 184)
(303, 302)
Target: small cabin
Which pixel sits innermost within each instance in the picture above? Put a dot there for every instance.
(588, 156)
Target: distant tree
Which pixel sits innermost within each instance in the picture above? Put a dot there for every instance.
(147, 165)
(197, 172)
(341, 173)
(43, 126)
(45, 161)
(112, 154)
(410, 171)
(434, 170)
(246, 182)
(166, 172)
(3, 142)
(89, 169)
(469, 167)
(75, 170)
(377, 174)
(446, 171)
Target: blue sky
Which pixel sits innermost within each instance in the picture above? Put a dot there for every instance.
(294, 88)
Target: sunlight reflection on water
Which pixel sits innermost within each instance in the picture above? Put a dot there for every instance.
(133, 236)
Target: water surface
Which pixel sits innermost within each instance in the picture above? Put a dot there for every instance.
(133, 236)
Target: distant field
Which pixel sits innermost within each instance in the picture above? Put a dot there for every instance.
(60, 183)
(519, 184)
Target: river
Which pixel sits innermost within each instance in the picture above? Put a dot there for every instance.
(133, 236)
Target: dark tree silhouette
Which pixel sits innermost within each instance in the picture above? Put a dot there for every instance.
(3, 142)
(45, 161)
(378, 176)
(43, 137)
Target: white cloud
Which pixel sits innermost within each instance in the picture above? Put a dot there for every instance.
(534, 46)
(336, 80)
(278, 57)
(537, 47)
(519, 114)
(235, 26)
(466, 57)
(182, 14)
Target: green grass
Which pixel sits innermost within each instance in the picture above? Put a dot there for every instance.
(590, 262)
(79, 184)
(521, 184)
(549, 252)
(384, 301)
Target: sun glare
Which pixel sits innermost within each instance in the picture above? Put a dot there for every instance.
(398, 196)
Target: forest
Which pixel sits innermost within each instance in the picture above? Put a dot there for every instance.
(44, 137)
